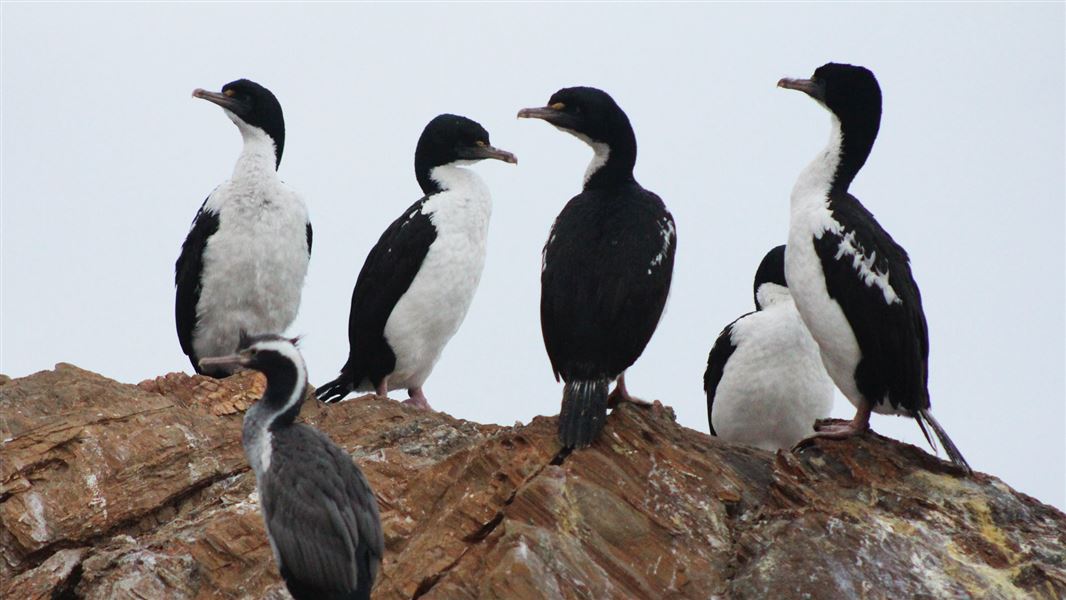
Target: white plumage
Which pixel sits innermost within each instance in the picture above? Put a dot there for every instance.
(773, 386)
(255, 264)
(433, 308)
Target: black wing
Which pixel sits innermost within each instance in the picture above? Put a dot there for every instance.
(716, 360)
(322, 516)
(310, 238)
(187, 272)
(387, 273)
(890, 327)
(607, 269)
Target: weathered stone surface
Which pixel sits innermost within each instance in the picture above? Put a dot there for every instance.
(110, 490)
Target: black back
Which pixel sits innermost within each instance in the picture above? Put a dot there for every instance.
(716, 361)
(258, 107)
(893, 338)
(385, 277)
(187, 273)
(771, 270)
(606, 277)
(322, 516)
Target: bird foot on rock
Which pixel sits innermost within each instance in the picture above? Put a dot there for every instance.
(832, 429)
(418, 400)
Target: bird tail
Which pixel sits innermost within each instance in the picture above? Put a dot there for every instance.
(926, 418)
(584, 412)
(335, 390)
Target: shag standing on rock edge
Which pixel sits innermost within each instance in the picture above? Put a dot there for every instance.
(321, 515)
(242, 266)
(607, 265)
(419, 279)
(851, 281)
(765, 382)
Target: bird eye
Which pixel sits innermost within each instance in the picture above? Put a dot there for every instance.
(230, 92)
(480, 143)
(558, 106)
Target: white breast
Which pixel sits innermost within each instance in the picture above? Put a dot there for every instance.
(430, 313)
(810, 219)
(773, 386)
(255, 264)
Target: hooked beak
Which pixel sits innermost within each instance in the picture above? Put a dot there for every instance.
(808, 86)
(220, 99)
(234, 360)
(542, 112)
(486, 151)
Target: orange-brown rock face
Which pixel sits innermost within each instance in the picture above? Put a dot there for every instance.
(112, 491)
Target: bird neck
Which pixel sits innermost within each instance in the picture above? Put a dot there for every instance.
(281, 402)
(260, 154)
(452, 176)
(612, 162)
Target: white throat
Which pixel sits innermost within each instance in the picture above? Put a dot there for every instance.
(814, 181)
(258, 157)
(600, 152)
(453, 176)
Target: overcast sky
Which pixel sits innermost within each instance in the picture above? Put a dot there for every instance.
(106, 158)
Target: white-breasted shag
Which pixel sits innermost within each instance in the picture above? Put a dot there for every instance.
(851, 281)
(242, 266)
(765, 382)
(417, 283)
(607, 265)
(320, 512)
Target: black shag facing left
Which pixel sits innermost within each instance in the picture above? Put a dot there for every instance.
(321, 515)
(851, 281)
(607, 265)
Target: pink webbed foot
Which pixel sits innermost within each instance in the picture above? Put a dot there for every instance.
(833, 429)
(620, 394)
(417, 399)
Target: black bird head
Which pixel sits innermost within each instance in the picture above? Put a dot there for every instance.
(771, 272)
(852, 94)
(594, 117)
(451, 139)
(250, 104)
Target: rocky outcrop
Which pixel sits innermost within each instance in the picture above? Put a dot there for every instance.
(114, 491)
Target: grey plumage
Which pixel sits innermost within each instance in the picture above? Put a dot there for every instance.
(320, 512)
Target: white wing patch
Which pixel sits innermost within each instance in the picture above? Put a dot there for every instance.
(667, 233)
(864, 265)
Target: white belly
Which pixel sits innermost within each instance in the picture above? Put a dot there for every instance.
(774, 386)
(434, 307)
(821, 313)
(253, 275)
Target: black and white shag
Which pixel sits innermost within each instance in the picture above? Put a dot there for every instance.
(321, 515)
(242, 266)
(607, 265)
(765, 382)
(417, 283)
(851, 281)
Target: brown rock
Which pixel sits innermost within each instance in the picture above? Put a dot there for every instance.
(112, 490)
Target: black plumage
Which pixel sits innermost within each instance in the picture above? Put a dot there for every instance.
(834, 239)
(321, 514)
(187, 284)
(607, 264)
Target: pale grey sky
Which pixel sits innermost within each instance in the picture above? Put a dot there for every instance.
(105, 159)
